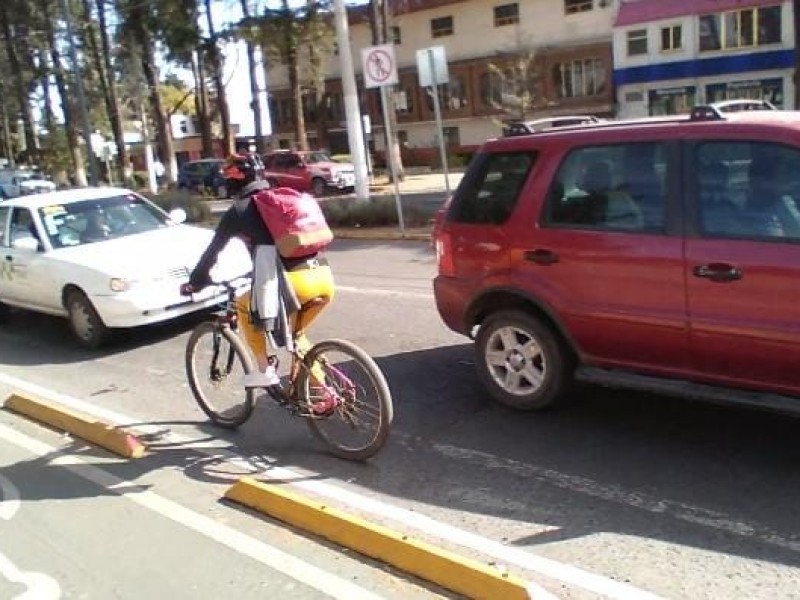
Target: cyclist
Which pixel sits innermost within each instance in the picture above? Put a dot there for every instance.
(310, 276)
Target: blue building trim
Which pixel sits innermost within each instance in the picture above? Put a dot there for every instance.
(720, 65)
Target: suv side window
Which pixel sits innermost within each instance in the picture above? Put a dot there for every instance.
(619, 187)
(489, 193)
(748, 190)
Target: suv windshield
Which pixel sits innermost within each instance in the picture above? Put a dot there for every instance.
(318, 157)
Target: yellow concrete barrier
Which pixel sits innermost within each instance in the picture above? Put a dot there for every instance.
(80, 425)
(465, 576)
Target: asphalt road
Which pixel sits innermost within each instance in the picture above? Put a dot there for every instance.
(619, 495)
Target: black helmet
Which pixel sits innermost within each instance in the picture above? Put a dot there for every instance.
(241, 170)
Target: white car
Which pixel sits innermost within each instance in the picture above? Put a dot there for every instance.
(21, 182)
(105, 258)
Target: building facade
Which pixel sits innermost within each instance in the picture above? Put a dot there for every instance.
(567, 42)
(670, 55)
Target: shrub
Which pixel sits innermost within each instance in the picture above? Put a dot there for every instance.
(377, 212)
(197, 211)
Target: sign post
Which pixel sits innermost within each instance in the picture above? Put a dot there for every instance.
(380, 70)
(432, 68)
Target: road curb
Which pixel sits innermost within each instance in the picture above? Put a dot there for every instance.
(442, 567)
(81, 425)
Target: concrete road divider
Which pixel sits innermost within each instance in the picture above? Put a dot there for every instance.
(80, 425)
(465, 576)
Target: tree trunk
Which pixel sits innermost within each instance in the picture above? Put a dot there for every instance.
(219, 84)
(66, 107)
(5, 132)
(163, 130)
(112, 102)
(201, 104)
(21, 87)
(297, 103)
(255, 103)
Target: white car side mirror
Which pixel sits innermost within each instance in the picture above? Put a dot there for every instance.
(177, 215)
(26, 243)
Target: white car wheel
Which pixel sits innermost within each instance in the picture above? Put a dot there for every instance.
(86, 324)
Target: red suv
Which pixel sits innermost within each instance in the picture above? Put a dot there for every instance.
(662, 254)
(312, 171)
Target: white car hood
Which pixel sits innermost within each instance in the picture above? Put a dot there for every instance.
(37, 184)
(150, 254)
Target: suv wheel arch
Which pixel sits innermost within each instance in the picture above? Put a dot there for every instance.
(500, 299)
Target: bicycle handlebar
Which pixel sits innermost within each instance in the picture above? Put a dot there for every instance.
(187, 289)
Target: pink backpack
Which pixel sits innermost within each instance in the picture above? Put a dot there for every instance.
(295, 221)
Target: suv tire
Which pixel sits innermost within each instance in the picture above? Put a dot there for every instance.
(503, 362)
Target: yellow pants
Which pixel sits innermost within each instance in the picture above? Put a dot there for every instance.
(308, 283)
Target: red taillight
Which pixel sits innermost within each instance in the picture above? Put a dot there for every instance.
(443, 243)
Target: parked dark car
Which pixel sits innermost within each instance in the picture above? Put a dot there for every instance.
(662, 254)
(204, 175)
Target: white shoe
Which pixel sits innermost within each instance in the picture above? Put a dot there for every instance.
(260, 379)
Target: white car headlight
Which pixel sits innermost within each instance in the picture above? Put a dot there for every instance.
(119, 284)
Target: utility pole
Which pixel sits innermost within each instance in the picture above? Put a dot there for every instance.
(355, 132)
(81, 97)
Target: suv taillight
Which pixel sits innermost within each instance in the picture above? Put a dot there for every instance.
(443, 242)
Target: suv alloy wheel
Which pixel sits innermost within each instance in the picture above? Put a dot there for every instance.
(522, 363)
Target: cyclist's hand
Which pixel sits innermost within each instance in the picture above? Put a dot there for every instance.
(187, 289)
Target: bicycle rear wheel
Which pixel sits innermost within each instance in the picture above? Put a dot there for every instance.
(357, 428)
(216, 362)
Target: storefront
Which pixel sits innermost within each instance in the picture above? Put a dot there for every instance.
(671, 101)
(758, 89)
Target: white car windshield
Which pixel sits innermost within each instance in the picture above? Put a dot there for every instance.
(90, 221)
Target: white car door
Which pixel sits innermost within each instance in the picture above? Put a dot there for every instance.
(22, 258)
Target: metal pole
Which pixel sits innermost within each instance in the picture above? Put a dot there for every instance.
(438, 112)
(81, 97)
(390, 160)
(355, 134)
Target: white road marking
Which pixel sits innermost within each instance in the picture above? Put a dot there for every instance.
(9, 501)
(500, 552)
(39, 586)
(272, 557)
(379, 292)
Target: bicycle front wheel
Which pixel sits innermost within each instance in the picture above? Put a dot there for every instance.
(358, 424)
(216, 363)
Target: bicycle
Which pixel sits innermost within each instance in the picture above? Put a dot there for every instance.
(329, 394)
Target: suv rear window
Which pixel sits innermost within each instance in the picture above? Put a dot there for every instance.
(490, 190)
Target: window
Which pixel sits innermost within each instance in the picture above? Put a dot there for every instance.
(740, 28)
(637, 42)
(452, 95)
(586, 77)
(671, 38)
(576, 6)
(452, 136)
(441, 27)
(506, 14)
(394, 35)
(770, 90)
(403, 101)
(619, 187)
(492, 188)
(402, 137)
(672, 101)
(748, 190)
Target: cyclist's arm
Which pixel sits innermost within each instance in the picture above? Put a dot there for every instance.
(228, 227)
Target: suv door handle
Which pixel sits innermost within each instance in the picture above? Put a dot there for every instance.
(718, 272)
(541, 256)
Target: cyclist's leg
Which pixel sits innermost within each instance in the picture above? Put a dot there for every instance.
(254, 336)
(308, 284)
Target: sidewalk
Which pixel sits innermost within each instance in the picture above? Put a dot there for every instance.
(417, 183)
